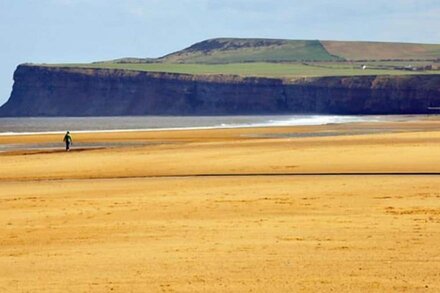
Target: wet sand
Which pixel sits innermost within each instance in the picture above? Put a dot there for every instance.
(352, 207)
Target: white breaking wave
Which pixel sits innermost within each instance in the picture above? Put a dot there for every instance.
(308, 120)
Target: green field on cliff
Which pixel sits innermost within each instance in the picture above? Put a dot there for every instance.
(285, 70)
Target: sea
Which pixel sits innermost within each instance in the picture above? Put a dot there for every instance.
(39, 125)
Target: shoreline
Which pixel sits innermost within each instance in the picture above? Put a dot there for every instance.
(124, 138)
(294, 121)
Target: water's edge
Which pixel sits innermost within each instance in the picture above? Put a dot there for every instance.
(30, 126)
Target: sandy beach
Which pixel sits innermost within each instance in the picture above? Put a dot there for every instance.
(342, 208)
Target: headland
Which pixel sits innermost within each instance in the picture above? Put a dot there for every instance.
(239, 77)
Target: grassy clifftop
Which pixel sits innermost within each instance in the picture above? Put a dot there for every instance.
(256, 69)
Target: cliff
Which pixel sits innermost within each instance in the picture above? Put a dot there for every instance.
(64, 91)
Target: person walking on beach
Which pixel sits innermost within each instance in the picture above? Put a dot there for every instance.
(68, 140)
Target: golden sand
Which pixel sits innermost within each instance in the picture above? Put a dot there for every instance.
(351, 207)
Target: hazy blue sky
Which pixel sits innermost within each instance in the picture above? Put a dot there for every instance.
(89, 30)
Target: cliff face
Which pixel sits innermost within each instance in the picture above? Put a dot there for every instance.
(63, 91)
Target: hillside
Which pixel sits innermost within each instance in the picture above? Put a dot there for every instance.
(290, 59)
(251, 50)
(287, 58)
(228, 50)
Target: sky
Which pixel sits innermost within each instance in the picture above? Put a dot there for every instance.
(72, 31)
